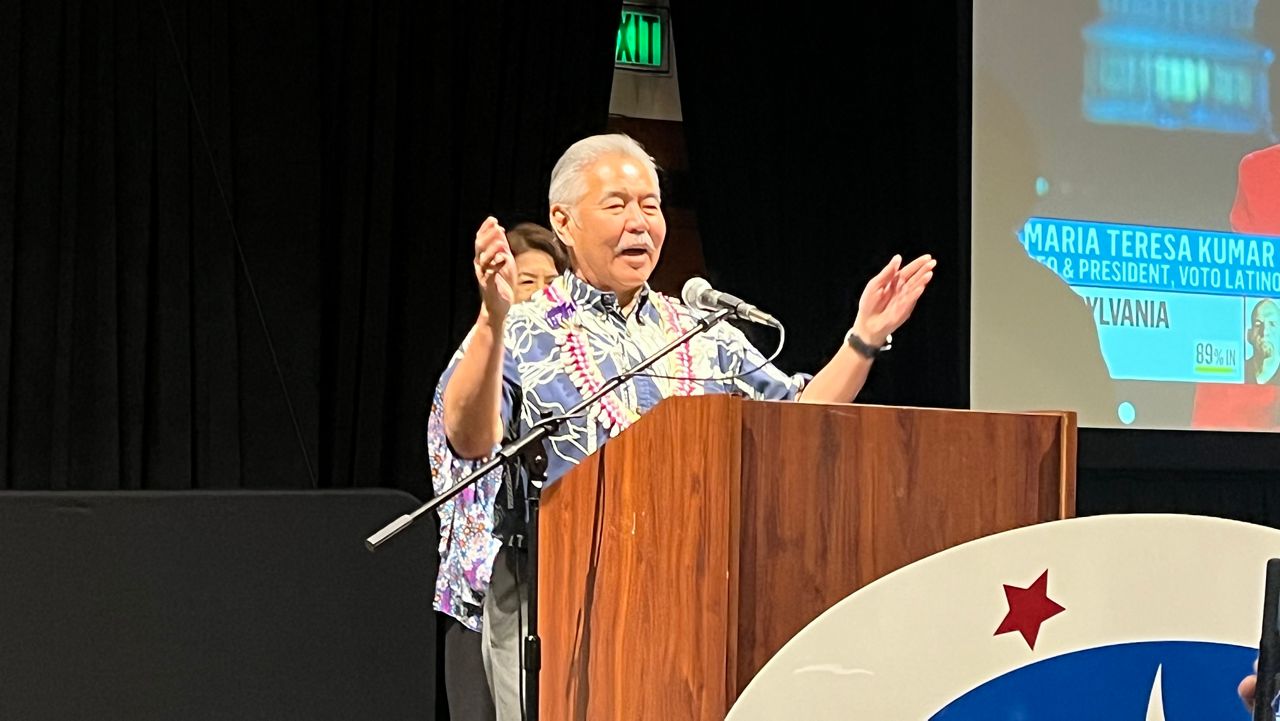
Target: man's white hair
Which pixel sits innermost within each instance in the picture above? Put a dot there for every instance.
(568, 179)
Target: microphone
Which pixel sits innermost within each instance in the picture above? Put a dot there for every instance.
(698, 293)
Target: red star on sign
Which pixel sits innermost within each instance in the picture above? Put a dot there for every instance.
(1028, 608)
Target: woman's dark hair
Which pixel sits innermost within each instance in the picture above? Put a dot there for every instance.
(531, 236)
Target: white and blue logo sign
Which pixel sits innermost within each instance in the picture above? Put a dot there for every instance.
(1124, 618)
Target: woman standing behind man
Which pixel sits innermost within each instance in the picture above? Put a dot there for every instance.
(539, 260)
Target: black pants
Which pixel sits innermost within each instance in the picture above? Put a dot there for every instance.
(464, 678)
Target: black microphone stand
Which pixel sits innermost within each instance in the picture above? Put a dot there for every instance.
(530, 450)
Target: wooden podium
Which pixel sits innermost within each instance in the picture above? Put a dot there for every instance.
(677, 560)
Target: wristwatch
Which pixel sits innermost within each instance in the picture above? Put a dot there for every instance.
(866, 350)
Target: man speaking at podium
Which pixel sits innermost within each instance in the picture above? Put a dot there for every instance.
(523, 362)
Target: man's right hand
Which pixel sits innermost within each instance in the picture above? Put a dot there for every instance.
(495, 269)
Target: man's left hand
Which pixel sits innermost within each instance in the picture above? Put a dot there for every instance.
(890, 296)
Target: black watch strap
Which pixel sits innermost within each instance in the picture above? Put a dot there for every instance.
(864, 349)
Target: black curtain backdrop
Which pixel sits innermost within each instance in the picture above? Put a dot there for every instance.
(822, 141)
(358, 146)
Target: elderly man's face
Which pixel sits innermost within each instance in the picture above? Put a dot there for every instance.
(617, 228)
(1264, 331)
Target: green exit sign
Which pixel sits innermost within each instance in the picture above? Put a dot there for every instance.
(642, 39)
